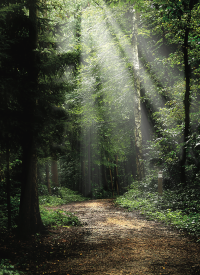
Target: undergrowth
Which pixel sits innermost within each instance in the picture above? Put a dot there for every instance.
(58, 218)
(8, 269)
(179, 208)
(60, 196)
(53, 218)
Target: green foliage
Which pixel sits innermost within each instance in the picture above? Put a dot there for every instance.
(7, 269)
(84, 93)
(61, 195)
(58, 218)
(162, 55)
(70, 166)
(42, 190)
(15, 200)
(179, 208)
(100, 193)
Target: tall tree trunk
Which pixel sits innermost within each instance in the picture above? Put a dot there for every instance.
(186, 105)
(48, 178)
(104, 177)
(111, 180)
(89, 179)
(137, 105)
(116, 182)
(54, 173)
(187, 90)
(29, 214)
(8, 182)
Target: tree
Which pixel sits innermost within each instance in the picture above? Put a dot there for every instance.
(54, 172)
(48, 178)
(137, 104)
(188, 7)
(35, 73)
(29, 214)
(171, 47)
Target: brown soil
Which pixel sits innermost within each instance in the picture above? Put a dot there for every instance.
(111, 241)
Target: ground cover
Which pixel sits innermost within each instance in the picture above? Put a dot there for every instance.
(179, 207)
(50, 218)
(111, 240)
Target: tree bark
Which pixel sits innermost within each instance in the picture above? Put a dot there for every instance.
(29, 215)
(137, 104)
(54, 173)
(48, 178)
(8, 182)
(187, 106)
(116, 181)
(111, 180)
(89, 175)
(187, 72)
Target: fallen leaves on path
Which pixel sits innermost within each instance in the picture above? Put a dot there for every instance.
(111, 241)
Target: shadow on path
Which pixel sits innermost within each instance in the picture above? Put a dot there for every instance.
(111, 241)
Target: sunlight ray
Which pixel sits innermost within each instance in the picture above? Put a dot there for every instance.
(151, 89)
(105, 64)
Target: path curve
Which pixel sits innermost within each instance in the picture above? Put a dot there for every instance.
(114, 241)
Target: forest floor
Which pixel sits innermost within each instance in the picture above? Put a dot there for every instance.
(111, 241)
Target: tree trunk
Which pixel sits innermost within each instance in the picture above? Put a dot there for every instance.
(187, 91)
(187, 106)
(54, 173)
(111, 180)
(104, 177)
(89, 178)
(137, 105)
(48, 178)
(116, 182)
(8, 182)
(29, 215)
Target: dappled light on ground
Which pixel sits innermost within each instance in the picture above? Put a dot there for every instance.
(111, 241)
(114, 241)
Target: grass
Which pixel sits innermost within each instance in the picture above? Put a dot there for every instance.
(58, 218)
(179, 208)
(53, 218)
(60, 196)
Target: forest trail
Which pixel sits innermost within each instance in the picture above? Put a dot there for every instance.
(111, 241)
(114, 241)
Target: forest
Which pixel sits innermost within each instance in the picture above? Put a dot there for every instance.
(96, 98)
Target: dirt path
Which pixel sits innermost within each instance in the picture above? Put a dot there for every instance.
(114, 241)
(111, 241)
